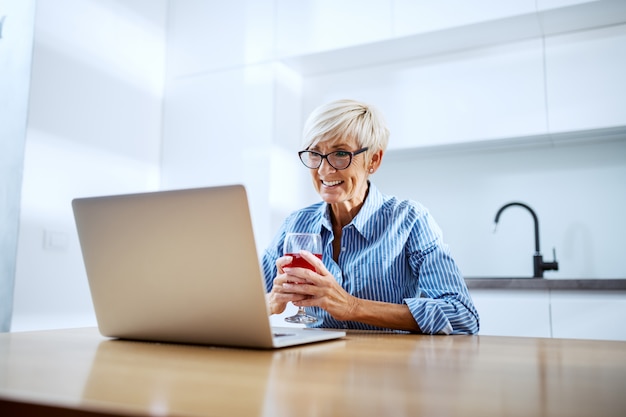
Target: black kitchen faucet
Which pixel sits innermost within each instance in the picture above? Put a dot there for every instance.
(538, 263)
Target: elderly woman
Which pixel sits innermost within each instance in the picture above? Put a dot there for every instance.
(384, 265)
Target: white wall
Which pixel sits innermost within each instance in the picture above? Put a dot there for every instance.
(94, 128)
(232, 113)
(573, 187)
(16, 44)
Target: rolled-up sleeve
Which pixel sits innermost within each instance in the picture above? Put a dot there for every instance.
(443, 305)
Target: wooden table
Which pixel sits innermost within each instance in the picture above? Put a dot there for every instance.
(77, 372)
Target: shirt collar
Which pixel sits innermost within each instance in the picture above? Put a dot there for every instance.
(362, 221)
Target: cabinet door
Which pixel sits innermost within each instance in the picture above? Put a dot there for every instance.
(589, 314)
(487, 93)
(411, 17)
(513, 312)
(306, 27)
(586, 85)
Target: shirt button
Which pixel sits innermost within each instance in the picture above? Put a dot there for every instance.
(343, 248)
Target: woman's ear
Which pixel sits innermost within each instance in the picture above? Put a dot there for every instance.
(375, 161)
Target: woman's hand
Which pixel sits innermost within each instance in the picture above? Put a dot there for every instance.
(278, 298)
(319, 288)
(306, 288)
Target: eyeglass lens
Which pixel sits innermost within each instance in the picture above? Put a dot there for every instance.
(338, 159)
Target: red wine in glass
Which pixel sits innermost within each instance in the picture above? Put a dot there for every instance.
(294, 243)
(300, 262)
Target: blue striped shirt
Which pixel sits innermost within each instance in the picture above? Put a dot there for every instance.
(392, 251)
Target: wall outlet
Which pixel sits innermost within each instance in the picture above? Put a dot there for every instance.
(55, 240)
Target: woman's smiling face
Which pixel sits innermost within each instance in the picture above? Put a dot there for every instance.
(341, 186)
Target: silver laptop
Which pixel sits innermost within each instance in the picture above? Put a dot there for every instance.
(179, 266)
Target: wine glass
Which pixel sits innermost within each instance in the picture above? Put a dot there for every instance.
(294, 243)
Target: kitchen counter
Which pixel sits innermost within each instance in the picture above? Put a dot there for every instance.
(545, 283)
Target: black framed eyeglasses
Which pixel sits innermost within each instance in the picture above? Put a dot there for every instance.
(337, 159)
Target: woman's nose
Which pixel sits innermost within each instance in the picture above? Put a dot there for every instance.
(325, 167)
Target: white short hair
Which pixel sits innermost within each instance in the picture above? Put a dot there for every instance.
(347, 119)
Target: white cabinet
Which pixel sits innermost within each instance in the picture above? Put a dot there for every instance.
(586, 86)
(411, 17)
(506, 70)
(312, 26)
(577, 314)
(589, 314)
(513, 312)
(550, 4)
(317, 26)
(467, 96)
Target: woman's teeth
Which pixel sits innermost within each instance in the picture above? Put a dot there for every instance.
(331, 183)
